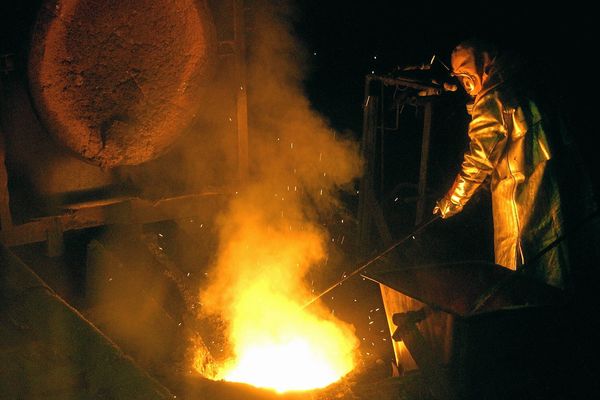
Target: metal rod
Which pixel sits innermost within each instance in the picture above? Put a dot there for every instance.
(417, 230)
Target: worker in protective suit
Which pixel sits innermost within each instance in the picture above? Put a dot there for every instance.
(511, 150)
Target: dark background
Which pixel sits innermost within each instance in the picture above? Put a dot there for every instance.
(556, 43)
(348, 40)
(556, 40)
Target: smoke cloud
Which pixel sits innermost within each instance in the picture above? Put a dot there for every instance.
(269, 233)
(270, 236)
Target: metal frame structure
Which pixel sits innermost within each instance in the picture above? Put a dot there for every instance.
(370, 212)
(372, 146)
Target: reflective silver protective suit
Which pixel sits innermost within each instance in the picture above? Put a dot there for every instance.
(508, 144)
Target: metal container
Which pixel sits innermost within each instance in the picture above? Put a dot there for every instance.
(481, 331)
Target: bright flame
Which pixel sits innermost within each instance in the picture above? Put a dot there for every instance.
(259, 291)
(261, 365)
(300, 355)
(280, 346)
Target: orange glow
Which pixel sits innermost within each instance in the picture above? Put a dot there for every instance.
(259, 291)
(282, 347)
(288, 349)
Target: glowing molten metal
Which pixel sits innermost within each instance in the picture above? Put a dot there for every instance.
(280, 346)
(275, 342)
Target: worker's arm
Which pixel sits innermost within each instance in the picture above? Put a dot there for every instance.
(488, 137)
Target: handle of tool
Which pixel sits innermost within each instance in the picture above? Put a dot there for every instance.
(417, 230)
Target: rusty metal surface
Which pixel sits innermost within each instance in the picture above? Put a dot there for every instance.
(118, 81)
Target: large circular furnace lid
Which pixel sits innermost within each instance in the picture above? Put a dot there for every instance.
(117, 81)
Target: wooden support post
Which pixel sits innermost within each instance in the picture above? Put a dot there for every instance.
(422, 190)
(366, 195)
(241, 92)
(55, 242)
(5, 216)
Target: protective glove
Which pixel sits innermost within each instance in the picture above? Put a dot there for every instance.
(446, 208)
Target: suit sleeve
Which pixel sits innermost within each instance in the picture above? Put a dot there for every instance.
(488, 138)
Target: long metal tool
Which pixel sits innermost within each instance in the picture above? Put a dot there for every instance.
(417, 230)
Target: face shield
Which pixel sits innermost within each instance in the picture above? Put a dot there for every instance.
(465, 70)
(467, 80)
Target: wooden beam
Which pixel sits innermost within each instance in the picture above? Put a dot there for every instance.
(127, 211)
